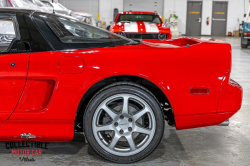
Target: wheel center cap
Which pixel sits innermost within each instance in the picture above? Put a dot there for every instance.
(124, 124)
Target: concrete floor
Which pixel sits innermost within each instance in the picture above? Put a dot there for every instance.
(214, 145)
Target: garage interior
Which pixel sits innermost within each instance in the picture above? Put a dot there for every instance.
(192, 14)
(215, 145)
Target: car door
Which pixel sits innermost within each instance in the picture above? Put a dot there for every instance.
(13, 67)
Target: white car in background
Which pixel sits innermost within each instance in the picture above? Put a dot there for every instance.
(28, 4)
(47, 6)
(58, 8)
(84, 17)
(7, 33)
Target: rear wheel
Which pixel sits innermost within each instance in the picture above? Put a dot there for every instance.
(124, 123)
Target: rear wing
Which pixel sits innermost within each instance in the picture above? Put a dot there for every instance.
(186, 42)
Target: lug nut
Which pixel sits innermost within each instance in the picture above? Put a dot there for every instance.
(116, 124)
(121, 131)
(130, 120)
(130, 129)
(121, 117)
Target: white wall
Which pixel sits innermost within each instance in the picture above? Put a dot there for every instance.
(235, 14)
(179, 7)
(234, 17)
(106, 9)
(206, 12)
(88, 6)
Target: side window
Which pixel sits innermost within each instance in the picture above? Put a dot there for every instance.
(7, 33)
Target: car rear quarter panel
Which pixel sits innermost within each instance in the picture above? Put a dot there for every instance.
(173, 70)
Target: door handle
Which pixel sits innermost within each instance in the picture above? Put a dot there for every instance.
(215, 19)
(199, 20)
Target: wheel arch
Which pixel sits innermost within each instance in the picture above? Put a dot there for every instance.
(149, 85)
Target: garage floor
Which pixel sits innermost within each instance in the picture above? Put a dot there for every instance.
(204, 146)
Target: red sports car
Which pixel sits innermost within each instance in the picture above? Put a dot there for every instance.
(140, 25)
(59, 76)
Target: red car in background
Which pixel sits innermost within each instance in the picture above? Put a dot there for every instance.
(140, 25)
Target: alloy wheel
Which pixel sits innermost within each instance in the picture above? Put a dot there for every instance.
(124, 124)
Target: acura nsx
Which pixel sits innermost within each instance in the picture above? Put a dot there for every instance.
(59, 76)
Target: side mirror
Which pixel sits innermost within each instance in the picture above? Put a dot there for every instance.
(111, 22)
(245, 15)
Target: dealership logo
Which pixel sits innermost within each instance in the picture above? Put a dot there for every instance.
(26, 150)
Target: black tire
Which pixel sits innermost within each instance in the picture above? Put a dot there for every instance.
(243, 46)
(128, 88)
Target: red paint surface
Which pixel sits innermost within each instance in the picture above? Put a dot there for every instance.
(38, 95)
(141, 27)
(12, 82)
(171, 65)
(71, 65)
(230, 96)
(201, 120)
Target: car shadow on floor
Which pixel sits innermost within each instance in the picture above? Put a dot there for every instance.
(170, 143)
(169, 147)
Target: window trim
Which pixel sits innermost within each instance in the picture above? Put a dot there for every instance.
(55, 17)
(56, 44)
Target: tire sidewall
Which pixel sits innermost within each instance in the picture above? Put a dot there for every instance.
(128, 89)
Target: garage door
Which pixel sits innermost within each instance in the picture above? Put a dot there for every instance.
(144, 5)
(88, 6)
(194, 9)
